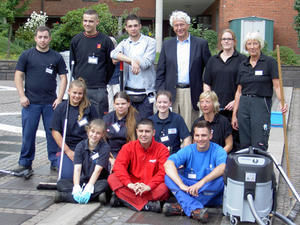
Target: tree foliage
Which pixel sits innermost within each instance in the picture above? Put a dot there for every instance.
(71, 24)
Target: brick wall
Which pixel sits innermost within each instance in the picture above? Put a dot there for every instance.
(61, 7)
(280, 11)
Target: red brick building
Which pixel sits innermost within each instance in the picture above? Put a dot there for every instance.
(216, 13)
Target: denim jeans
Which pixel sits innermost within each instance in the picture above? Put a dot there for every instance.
(30, 121)
(99, 98)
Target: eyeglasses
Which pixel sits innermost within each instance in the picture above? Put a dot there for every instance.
(227, 39)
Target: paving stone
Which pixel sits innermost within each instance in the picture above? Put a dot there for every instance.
(16, 219)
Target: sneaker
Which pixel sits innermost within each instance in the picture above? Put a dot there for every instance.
(102, 198)
(115, 201)
(153, 206)
(172, 209)
(21, 168)
(200, 215)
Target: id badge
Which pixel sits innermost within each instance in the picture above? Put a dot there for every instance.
(192, 176)
(259, 73)
(164, 138)
(93, 60)
(172, 131)
(95, 156)
(82, 122)
(151, 99)
(116, 127)
(49, 70)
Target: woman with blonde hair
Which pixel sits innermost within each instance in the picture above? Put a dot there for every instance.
(81, 112)
(220, 126)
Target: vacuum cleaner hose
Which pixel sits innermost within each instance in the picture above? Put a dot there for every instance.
(283, 218)
(253, 210)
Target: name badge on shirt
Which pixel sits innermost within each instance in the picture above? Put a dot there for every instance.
(82, 122)
(172, 131)
(259, 73)
(95, 156)
(164, 138)
(151, 99)
(116, 127)
(192, 176)
(49, 70)
(93, 60)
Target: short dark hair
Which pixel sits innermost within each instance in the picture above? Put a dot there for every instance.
(145, 122)
(91, 12)
(42, 29)
(202, 124)
(132, 17)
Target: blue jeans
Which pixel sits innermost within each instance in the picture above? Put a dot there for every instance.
(99, 98)
(30, 121)
(209, 194)
(67, 167)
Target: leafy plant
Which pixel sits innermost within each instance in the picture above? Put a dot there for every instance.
(71, 24)
(287, 56)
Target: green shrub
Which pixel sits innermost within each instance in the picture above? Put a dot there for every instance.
(15, 49)
(287, 56)
(212, 38)
(71, 24)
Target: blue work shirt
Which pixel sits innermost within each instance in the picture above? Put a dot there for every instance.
(89, 159)
(169, 131)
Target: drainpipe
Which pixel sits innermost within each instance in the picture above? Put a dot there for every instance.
(158, 24)
(42, 5)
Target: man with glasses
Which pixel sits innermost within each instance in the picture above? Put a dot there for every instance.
(138, 52)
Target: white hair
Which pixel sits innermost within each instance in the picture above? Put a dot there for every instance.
(254, 36)
(179, 15)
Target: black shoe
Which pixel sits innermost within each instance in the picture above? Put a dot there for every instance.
(115, 201)
(200, 215)
(21, 168)
(103, 198)
(153, 206)
(172, 209)
(54, 168)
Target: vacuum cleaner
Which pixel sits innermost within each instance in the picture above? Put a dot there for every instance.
(250, 186)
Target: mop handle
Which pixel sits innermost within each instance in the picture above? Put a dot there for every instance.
(65, 127)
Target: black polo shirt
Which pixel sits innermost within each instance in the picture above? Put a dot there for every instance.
(75, 129)
(220, 126)
(221, 76)
(170, 130)
(116, 131)
(89, 159)
(258, 80)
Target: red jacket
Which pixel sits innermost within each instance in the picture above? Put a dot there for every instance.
(136, 164)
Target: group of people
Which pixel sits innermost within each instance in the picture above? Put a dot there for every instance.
(129, 154)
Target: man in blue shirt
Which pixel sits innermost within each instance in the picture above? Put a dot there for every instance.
(199, 182)
(138, 52)
(39, 67)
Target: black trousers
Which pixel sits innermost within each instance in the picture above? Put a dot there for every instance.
(254, 115)
(66, 186)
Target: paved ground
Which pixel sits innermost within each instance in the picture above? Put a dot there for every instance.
(22, 203)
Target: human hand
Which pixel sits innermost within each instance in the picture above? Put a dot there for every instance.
(86, 194)
(234, 123)
(24, 101)
(142, 188)
(76, 193)
(135, 67)
(56, 103)
(284, 108)
(229, 106)
(193, 190)
(70, 154)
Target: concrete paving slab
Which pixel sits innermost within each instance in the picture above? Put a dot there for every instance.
(70, 214)
(27, 202)
(17, 219)
(21, 184)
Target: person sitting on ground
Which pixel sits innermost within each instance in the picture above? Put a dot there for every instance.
(220, 126)
(90, 169)
(200, 182)
(120, 124)
(138, 172)
(170, 127)
(80, 113)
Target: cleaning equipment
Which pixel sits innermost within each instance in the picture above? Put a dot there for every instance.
(249, 189)
(27, 173)
(52, 186)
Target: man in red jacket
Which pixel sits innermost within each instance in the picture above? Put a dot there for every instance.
(138, 172)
